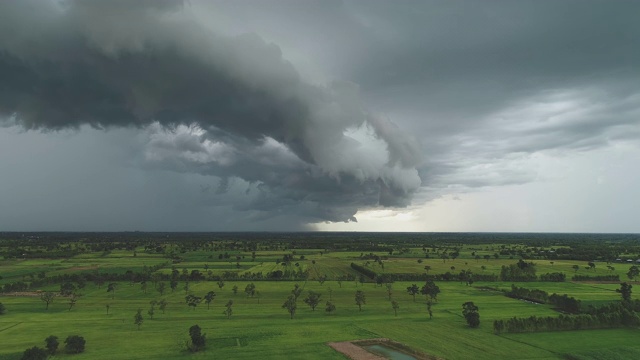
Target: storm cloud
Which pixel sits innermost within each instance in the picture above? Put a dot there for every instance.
(215, 105)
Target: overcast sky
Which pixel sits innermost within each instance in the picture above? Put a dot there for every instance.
(159, 115)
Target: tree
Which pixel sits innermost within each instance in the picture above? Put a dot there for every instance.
(138, 319)
(67, 289)
(173, 284)
(633, 272)
(209, 298)
(575, 268)
(3, 309)
(427, 268)
(220, 284)
(197, 338)
(625, 291)
(161, 287)
(47, 297)
(162, 305)
(34, 353)
(234, 289)
(51, 344)
(144, 286)
(73, 299)
(112, 289)
(312, 299)
(592, 265)
(74, 344)
(228, 309)
(290, 305)
(429, 309)
(152, 309)
(186, 287)
(330, 307)
(413, 290)
(297, 290)
(395, 306)
(389, 289)
(108, 306)
(360, 299)
(431, 290)
(250, 290)
(192, 300)
(471, 314)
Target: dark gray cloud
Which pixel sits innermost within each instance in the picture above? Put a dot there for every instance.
(304, 145)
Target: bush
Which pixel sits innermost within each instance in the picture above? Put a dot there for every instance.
(35, 353)
(74, 344)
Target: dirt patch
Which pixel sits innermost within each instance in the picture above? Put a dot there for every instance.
(354, 352)
(353, 349)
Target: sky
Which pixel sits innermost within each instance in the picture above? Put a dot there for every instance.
(303, 115)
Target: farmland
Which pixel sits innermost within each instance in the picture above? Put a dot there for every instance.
(259, 327)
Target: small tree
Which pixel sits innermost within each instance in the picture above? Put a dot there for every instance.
(186, 287)
(162, 305)
(220, 284)
(3, 309)
(250, 290)
(389, 289)
(192, 300)
(413, 290)
(395, 306)
(112, 289)
(625, 291)
(360, 299)
(313, 299)
(152, 309)
(290, 305)
(35, 353)
(471, 314)
(162, 286)
(197, 338)
(73, 299)
(633, 272)
(173, 284)
(575, 268)
(228, 309)
(330, 307)
(108, 306)
(52, 344)
(429, 309)
(208, 298)
(47, 297)
(144, 286)
(297, 290)
(138, 319)
(74, 344)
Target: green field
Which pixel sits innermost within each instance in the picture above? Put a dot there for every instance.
(261, 329)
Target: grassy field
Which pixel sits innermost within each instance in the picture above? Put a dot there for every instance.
(261, 329)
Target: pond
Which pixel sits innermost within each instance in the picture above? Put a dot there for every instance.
(388, 353)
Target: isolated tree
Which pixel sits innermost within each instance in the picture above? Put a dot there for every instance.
(74, 344)
(330, 290)
(297, 291)
(197, 338)
(112, 289)
(173, 284)
(186, 287)
(389, 289)
(138, 319)
(192, 301)
(162, 305)
(108, 306)
(340, 284)
(625, 291)
(3, 309)
(290, 305)
(429, 309)
(312, 299)
(591, 265)
(471, 314)
(228, 309)
(413, 290)
(35, 353)
(431, 290)
(47, 297)
(250, 290)
(152, 310)
(220, 284)
(161, 287)
(575, 268)
(633, 272)
(234, 289)
(330, 307)
(144, 286)
(360, 299)
(427, 268)
(51, 343)
(395, 306)
(208, 298)
(67, 289)
(73, 299)
(487, 257)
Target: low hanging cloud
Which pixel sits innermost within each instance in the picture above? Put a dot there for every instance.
(229, 107)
